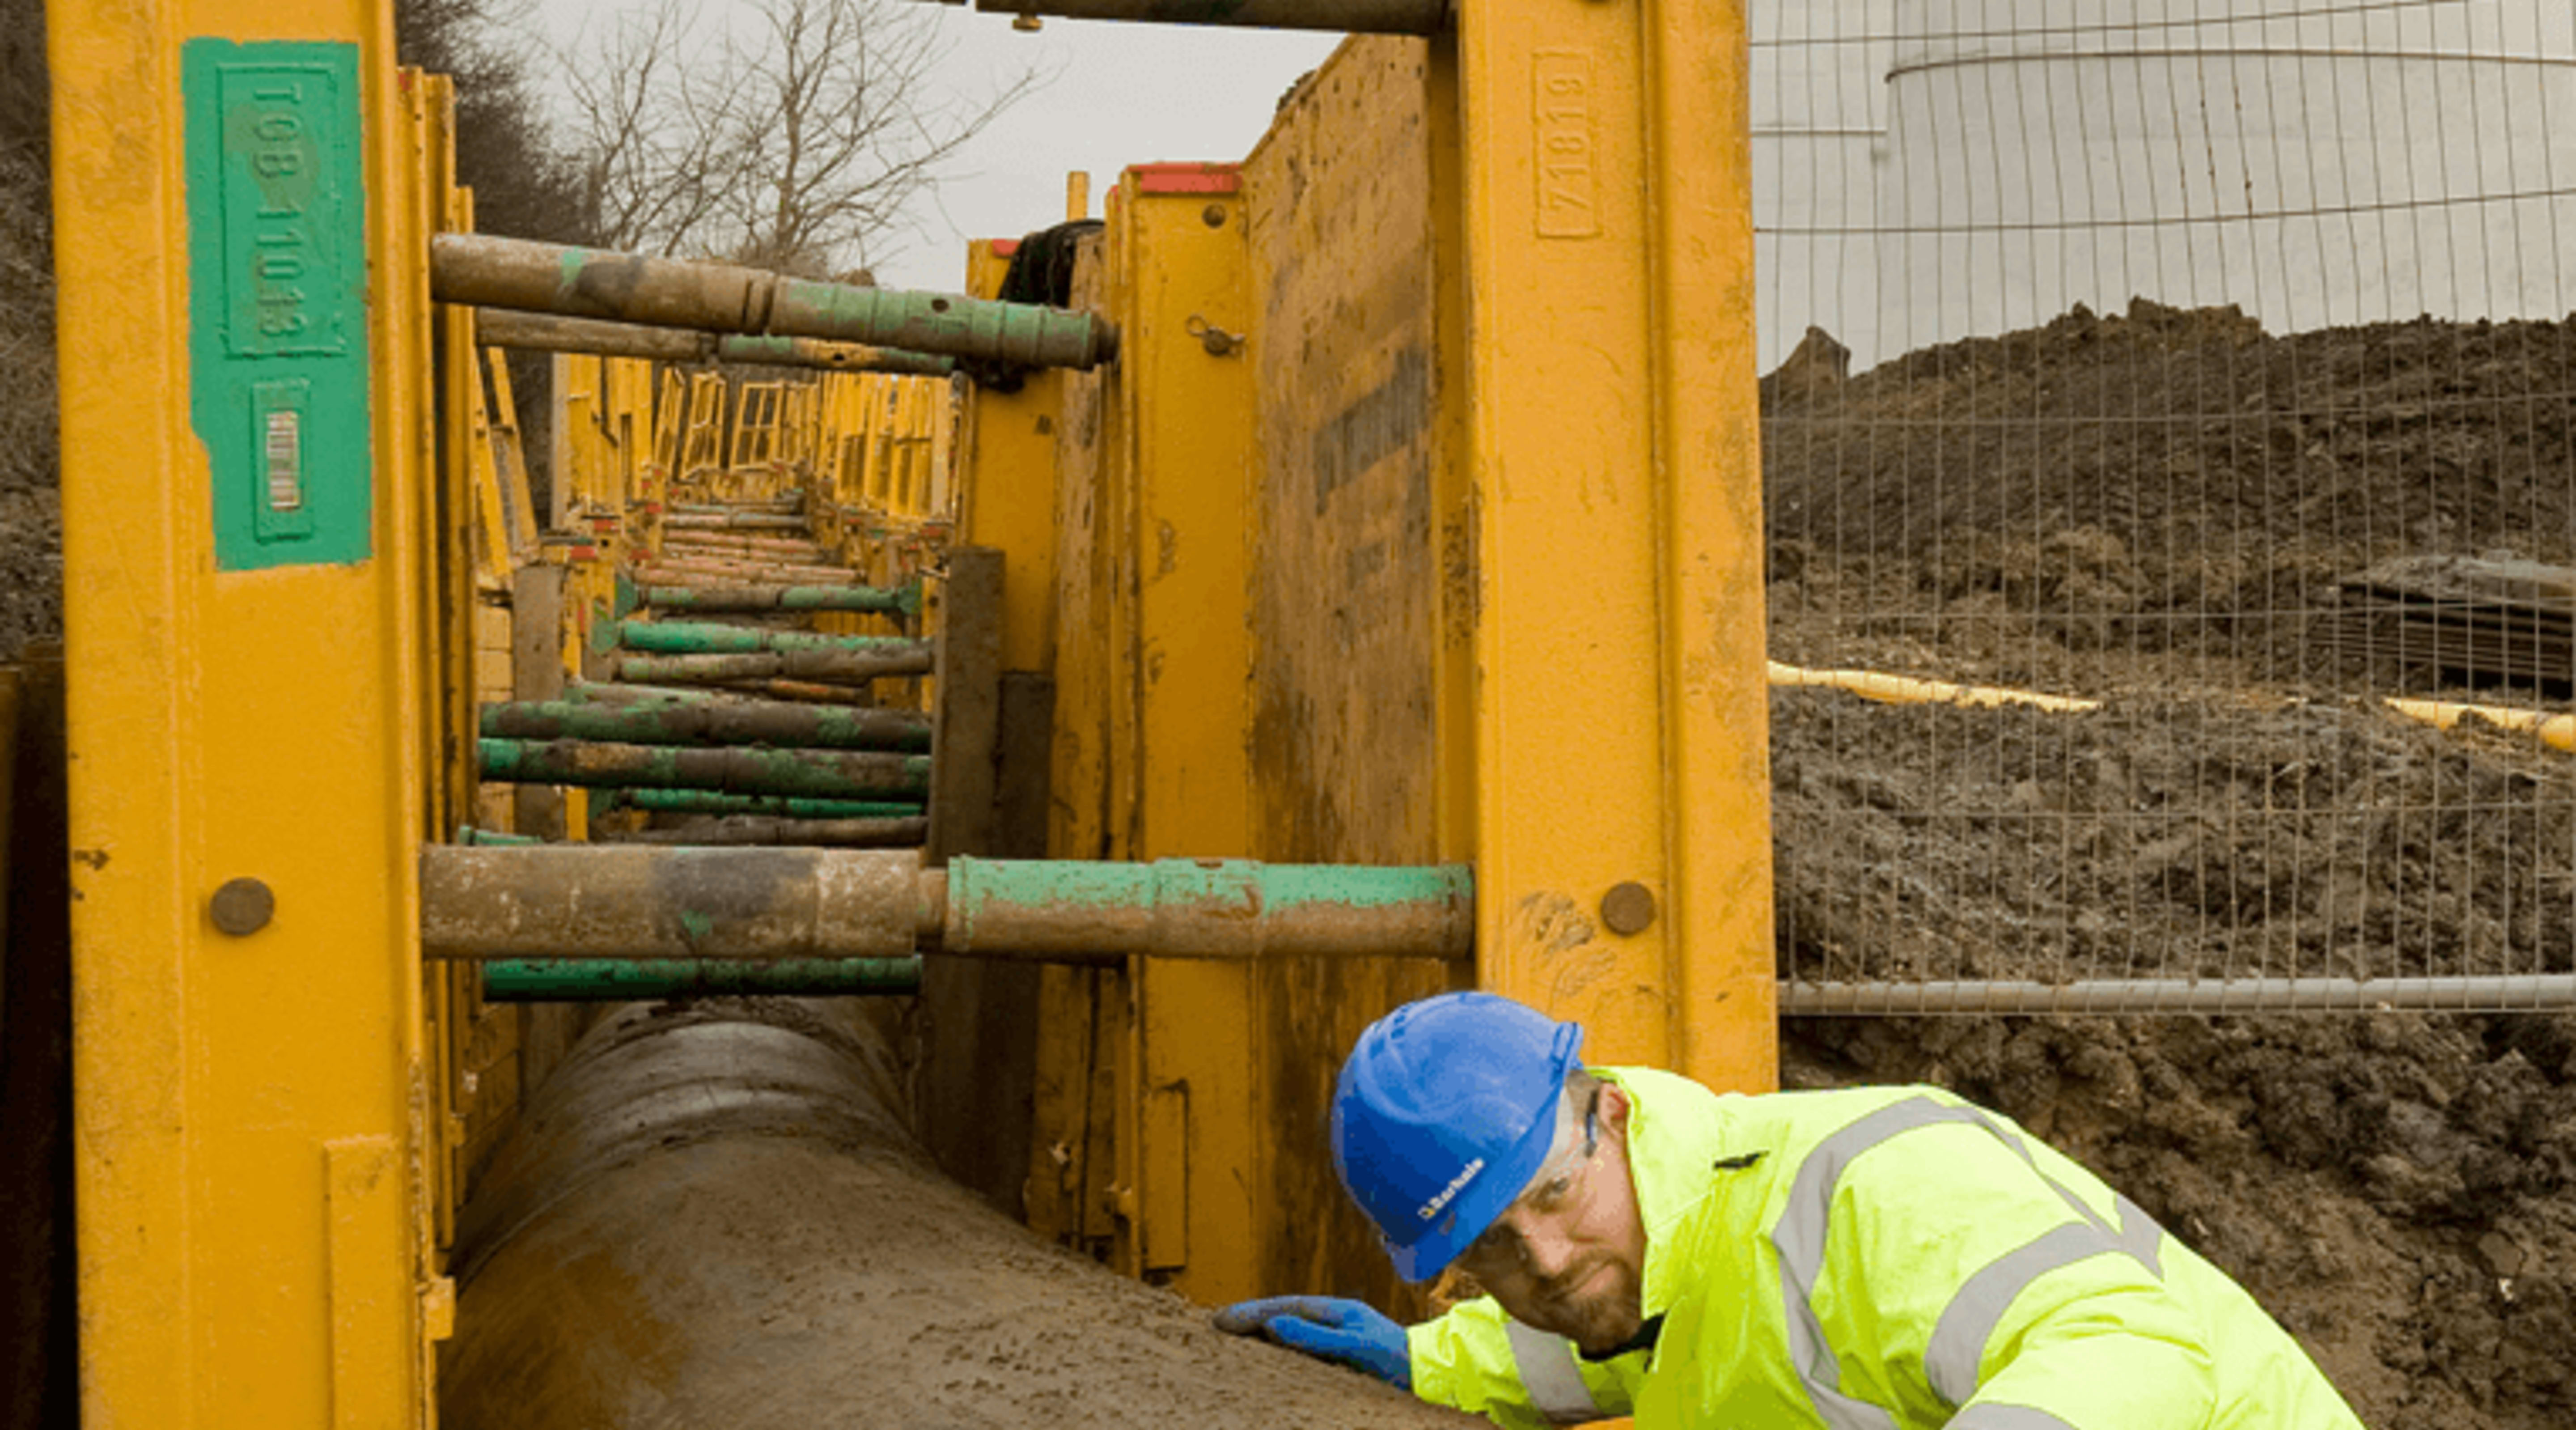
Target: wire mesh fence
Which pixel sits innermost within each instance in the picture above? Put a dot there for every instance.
(2203, 365)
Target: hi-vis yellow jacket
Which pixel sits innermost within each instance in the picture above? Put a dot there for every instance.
(1887, 1259)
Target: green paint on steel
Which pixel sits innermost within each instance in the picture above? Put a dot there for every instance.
(568, 270)
(626, 598)
(978, 884)
(704, 638)
(1286, 886)
(943, 323)
(604, 628)
(696, 925)
(597, 979)
(468, 834)
(819, 774)
(756, 347)
(665, 722)
(705, 801)
(277, 300)
(886, 600)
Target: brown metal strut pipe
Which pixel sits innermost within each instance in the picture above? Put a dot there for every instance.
(1359, 17)
(573, 901)
(546, 332)
(494, 272)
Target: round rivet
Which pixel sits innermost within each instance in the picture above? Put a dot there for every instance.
(242, 907)
(1628, 908)
(1213, 215)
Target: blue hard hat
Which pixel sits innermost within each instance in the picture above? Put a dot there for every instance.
(1444, 1111)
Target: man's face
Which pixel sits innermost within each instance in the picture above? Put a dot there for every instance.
(1569, 1256)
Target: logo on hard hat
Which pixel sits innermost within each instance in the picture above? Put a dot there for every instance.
(1450, 1192)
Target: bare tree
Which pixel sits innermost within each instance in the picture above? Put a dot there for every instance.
(794, 141)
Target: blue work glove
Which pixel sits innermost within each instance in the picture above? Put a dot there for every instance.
(1349, 1333)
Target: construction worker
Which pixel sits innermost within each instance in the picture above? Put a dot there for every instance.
(1885, 1257)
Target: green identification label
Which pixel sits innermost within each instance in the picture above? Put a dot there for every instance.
(277, 277)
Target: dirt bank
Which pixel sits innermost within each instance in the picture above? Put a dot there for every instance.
(2150, 510)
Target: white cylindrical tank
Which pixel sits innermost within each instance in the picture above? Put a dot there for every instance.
(2317, 162)
(1819, 139)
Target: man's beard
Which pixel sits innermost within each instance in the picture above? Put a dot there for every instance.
(1604, 1316)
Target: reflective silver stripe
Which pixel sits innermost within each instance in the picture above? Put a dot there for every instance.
(2006, 1417)
(1550, 1375)
(1800, 1237)
(1958, 1344)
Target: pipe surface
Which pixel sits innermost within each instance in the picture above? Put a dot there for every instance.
(708, 638)
(588, 283)
(748, 829)
(1359, 17)
(779, 723)
(1206, 908)
(545, 332)
(712, 1215)
(632, 901)
(704, 801)
(830, 667)
(818, 774)
(882, 600)
(596, 980)
(619, 901)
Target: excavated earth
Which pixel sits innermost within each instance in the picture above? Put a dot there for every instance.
(2144, 509)
(2151, 510)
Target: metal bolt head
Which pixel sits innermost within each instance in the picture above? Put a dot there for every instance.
(1213, 215)
(242, 907)
(1628, 908)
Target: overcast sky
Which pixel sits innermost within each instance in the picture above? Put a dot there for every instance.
(1120, 94)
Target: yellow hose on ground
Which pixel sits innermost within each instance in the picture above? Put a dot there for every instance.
(2556, 731)
(1904, 690)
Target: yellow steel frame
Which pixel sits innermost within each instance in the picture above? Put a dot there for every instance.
(1195, 1159)
(259, 1122)
(1612, 450)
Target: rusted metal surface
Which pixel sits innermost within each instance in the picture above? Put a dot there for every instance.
(618, 980)
(1358, 17)
(609, 901)
(647, 902)
(733, 521)
(545, 332)
(675, 569)
(713, 1216)
(735, 830)
(828, 667)
(821, 774)
(883, 600)
(707, 638)
(791, 550)
(575, 282)
(711, 723)
(702, 801)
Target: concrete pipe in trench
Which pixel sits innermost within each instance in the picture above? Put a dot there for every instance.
(711, 1215)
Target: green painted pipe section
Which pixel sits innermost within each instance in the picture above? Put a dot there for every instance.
(468, 834)
(1207, 908)
(880, 600)
(707, 801)
(592, 980)
(816, 774)
(491, 271)
(707, 638)
(776, 723)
